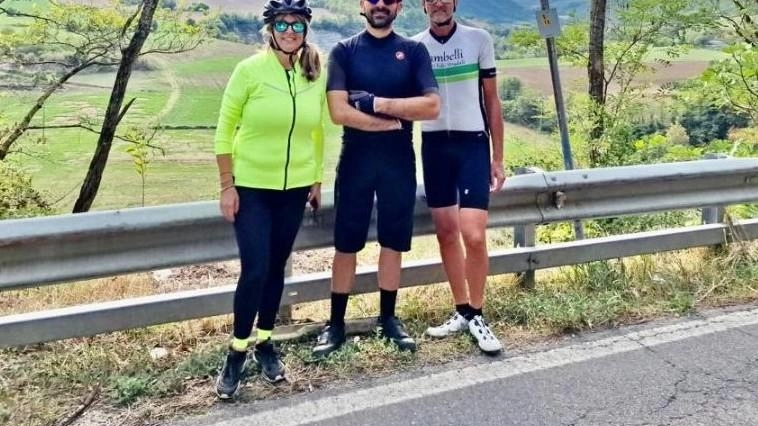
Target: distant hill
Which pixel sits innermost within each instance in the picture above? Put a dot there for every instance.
(514, 11)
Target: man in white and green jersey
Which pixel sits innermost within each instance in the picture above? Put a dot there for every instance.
(459, 172)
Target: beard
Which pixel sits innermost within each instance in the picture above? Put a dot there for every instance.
(380, 23)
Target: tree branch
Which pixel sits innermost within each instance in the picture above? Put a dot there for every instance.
(129, 21)
(97, 132)
(16, 13)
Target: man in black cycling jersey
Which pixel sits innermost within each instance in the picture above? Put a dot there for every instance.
(378, 83)
(459, 172)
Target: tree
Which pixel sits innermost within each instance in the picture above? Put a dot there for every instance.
(596, 65)
(57, 42)
(140, 151)
(114, 113)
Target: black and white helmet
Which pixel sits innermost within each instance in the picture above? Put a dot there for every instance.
(273, 8)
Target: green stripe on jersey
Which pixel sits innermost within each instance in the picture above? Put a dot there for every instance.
(453, 71)
(461, 77)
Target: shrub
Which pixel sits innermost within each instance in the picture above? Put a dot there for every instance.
(17, 197)
(705, 123)
(510, 88)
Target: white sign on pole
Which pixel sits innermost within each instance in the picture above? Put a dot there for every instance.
(548, 23)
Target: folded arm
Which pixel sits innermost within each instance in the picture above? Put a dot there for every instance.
(344, 114)
(426, 107)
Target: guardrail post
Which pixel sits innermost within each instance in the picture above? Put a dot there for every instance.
(524, 236)
(285, 311)
(714, 214)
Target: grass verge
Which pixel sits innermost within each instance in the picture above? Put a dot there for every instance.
(148, 375)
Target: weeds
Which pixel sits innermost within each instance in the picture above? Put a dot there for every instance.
(41, 384)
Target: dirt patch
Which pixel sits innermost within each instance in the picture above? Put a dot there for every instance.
(197, 276)
(310, 261)
(224, 273)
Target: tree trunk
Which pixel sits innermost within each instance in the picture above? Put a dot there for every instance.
(113, 114)
(596, 75)
(20, 128)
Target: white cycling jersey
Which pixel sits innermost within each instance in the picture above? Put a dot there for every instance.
(460, 61)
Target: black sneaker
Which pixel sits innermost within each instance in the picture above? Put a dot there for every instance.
(272, 368)
(392, 329)
(331, 338)
(228, 381)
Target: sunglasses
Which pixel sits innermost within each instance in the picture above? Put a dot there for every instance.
(440, 1)
(297, 27)
(386, 2)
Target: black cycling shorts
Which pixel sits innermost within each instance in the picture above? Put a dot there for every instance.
(385, 168)
(456, 169)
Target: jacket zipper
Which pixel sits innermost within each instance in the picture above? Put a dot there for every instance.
(292, 126)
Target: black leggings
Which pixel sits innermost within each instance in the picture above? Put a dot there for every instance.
(266, 226)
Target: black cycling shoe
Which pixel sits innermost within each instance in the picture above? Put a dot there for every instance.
(331, 338)
(272, 368)
(392, 329)
(228, 381)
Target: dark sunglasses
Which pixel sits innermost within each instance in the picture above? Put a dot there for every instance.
(297, 27)
(386, 2)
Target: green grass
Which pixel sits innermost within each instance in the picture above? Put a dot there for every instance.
(208, 66)
(523, 63)
(196, 106)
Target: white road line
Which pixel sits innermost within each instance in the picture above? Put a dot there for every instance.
(388, 394)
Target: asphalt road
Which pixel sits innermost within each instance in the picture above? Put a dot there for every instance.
(700, 371)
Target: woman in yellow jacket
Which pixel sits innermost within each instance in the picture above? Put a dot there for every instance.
(269, 168)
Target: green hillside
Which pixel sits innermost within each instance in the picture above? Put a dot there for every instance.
(513, 11)
(495, 10)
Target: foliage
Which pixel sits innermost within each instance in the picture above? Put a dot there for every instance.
(734, 81)
(529, 110)
(233, 27)
(127, 390)
(140, 150)
(198, 7)
(510, 88)
(677, 135)
(633, 116)
(343, 25)
(706, 122)
(17, 196)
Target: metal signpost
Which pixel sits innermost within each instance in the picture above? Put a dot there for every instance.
(549, 26)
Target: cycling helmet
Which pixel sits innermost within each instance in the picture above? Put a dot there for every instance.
(273, 8)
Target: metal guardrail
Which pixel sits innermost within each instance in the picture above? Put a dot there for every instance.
(43, 251)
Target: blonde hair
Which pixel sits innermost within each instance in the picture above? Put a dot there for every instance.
(309, 57)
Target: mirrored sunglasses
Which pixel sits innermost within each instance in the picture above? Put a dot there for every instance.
(297, 27)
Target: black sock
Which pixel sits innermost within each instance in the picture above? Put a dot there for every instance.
(463, 310)
(387, 303)
(475, 312)
(339, 306)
